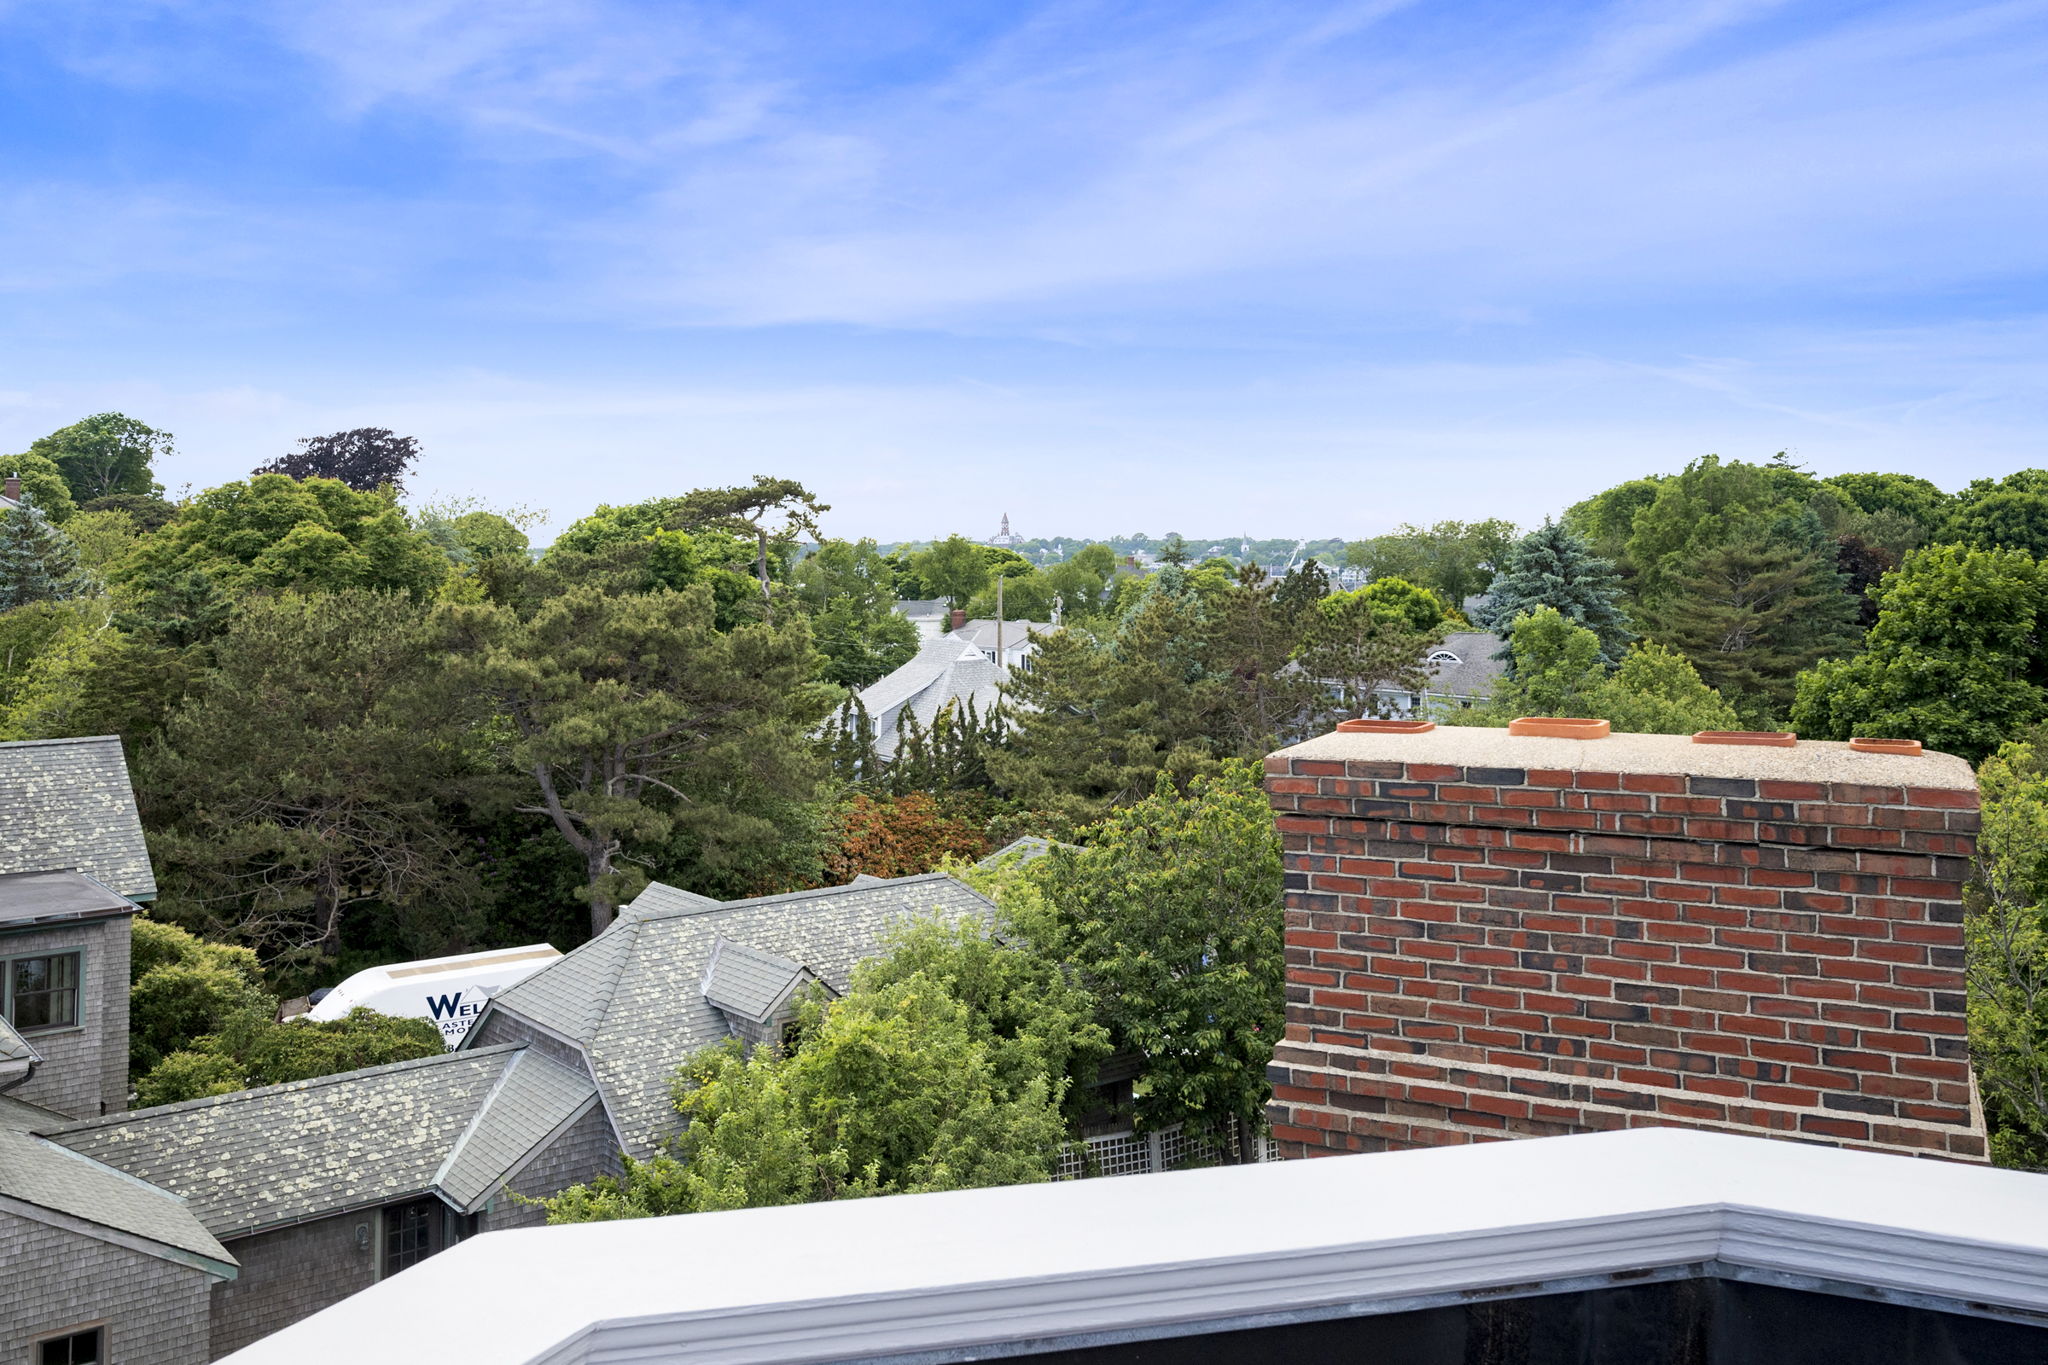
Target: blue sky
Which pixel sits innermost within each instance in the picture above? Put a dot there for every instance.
(1283, 268)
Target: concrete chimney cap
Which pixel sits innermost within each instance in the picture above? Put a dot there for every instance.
(1809, 760)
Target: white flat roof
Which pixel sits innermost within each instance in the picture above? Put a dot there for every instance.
(1055, 1264)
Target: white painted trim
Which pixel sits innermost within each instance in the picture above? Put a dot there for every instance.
(979, 1272)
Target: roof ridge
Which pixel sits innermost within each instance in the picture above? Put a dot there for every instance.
(601, 1004)
(812, 894)
(72, 739)
(239, 1096)
(483, 1107)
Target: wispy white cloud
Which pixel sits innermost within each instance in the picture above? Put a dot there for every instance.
(1435, 254)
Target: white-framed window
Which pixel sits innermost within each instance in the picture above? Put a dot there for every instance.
(40, 991)
(1444, 656)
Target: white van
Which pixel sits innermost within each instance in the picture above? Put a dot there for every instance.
(448, 990)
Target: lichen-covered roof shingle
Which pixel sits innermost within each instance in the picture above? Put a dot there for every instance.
(746, 982)
(71, 806)
(36, 1171)
(261, 1158)
(633, 997)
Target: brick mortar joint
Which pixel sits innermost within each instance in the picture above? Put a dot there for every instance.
(1974, 1127)
(1291, 1107)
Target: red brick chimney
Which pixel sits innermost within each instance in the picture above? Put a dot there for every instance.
(959, 619)
(1496, 936)
(12, 488)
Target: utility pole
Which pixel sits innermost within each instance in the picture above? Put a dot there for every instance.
(999, 611)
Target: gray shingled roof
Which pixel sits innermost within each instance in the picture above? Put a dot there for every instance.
(69, 805)
(633, 996)
(748, 983)
(658, 897)
(535, 1099)
(31, 897)
(947, 668)
(39, 1172)
(1027, 849)
(12, 1047)
(981, 632)
(261, 1158)
(1477, 673)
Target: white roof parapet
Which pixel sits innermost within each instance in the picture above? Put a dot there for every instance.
(945, 1275)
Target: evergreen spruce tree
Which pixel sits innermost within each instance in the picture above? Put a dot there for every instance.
(1555, 567)
(38, 562)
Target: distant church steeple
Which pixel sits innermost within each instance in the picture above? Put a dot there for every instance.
(1004, 538)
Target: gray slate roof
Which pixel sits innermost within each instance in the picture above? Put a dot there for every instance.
(68, 804)
(32, 897)
(1477, 673)
(39, 1172)
(981, 632)
(633, 997)
(748, 983)
(658, 896)
(922, 608)
(1024, 850)
(12, 1047)
(535, 1099)
(947, 668)
(261, 1158)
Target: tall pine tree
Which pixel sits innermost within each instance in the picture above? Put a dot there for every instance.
(1554, 567)
(1751, 614)
(38, 562)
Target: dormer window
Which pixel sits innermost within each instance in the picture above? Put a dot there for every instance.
(1444, 656)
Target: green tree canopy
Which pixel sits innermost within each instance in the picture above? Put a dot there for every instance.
(1554, 566)
(275, 532)
(621, 707)
(954, 568)
(252, 1049)
(943, 1068)
(1916, 500)
(1711, 504)
(104, 454)
(2010, 514)
(1453, 558)
(1751, 614)
(2007, 935)
(1954, 660)
(307, 772)
(1559, 672)
(43, 483)
(1173, 918)
(845, 590)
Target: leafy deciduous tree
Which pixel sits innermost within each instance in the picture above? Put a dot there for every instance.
(1954, 660)
(104, 454)
(364, 458)
(1173, 919)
